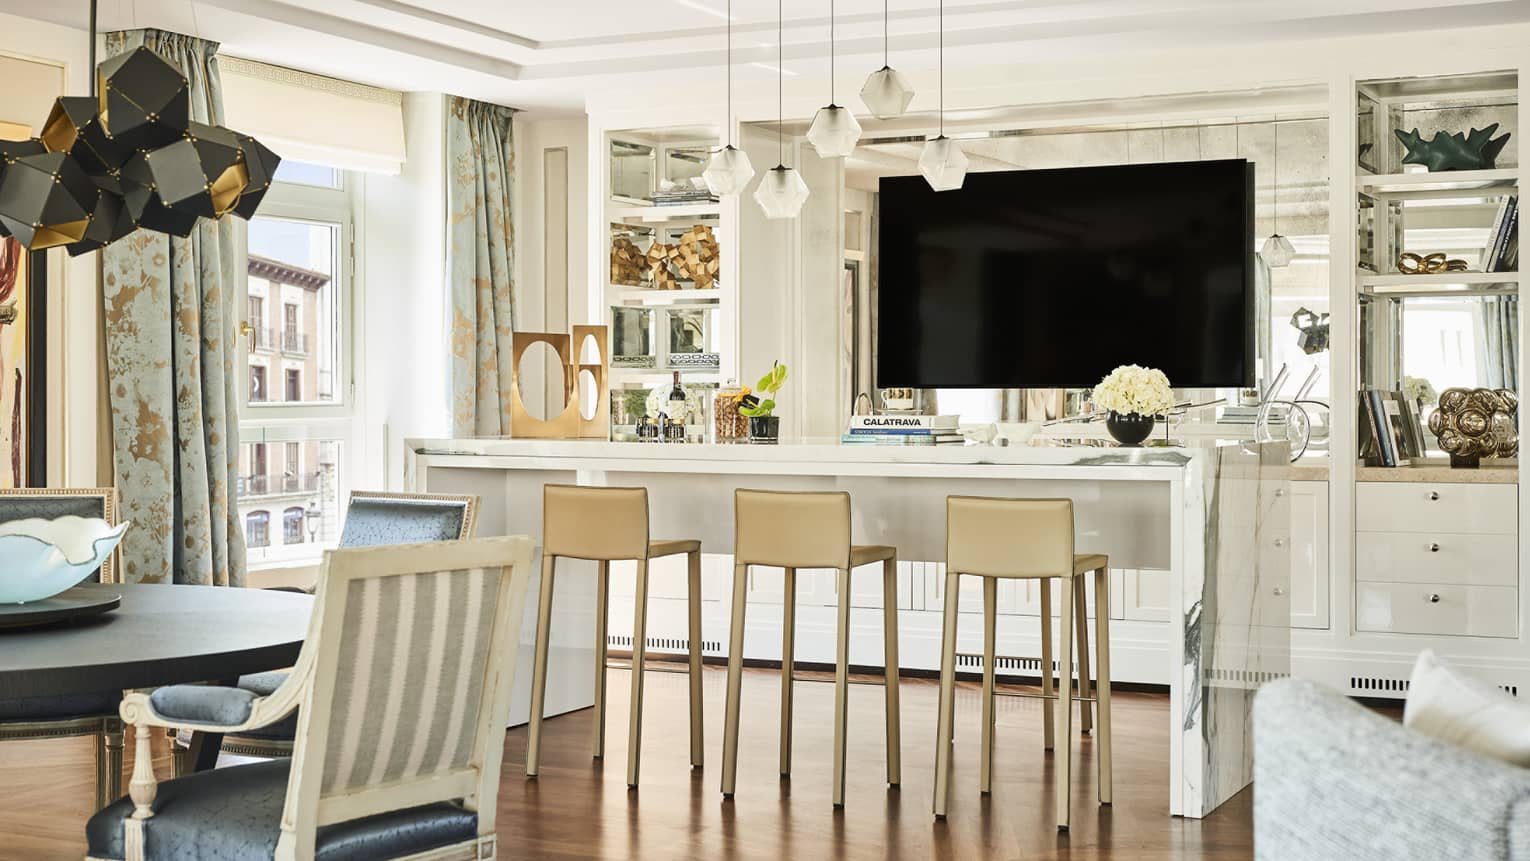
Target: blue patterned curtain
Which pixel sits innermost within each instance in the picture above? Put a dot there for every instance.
(171, 373)
(480, 254)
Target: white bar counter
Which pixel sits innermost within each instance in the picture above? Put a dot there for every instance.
(1213, 517)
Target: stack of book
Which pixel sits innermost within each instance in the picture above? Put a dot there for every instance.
(903, 430)
(1391, 431)
(683, 196)
(1502, 251)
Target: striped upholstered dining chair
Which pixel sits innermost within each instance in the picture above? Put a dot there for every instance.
(84, 714)
(404, 679)
(372, 519)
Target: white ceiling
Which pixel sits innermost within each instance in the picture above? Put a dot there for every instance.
(549, 54)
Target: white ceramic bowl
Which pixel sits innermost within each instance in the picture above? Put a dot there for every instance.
(41, 558)
(1018, 433)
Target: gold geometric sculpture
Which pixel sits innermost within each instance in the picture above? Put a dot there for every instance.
(1475, 423)
(628, 263)
(569, 423)
(598, 426)
(699, 256)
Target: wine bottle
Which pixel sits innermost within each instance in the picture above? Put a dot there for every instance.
(677, 408)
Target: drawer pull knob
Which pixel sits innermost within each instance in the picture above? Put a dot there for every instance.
(1433, 547)
(1279, 492)
(1279, 591)
(1434, 597)
(1280, 542)
(1434, 495)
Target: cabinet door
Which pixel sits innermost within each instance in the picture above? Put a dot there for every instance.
(1145, 595)
(866, 587)
(1309, 554)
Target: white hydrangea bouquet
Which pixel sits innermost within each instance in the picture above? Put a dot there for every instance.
(1420, 391)
(1134, 389)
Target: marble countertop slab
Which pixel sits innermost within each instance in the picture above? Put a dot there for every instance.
(1439, 471)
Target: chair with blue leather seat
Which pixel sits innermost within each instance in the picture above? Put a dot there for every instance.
(79, 714)
(404, 680)
(372, 519)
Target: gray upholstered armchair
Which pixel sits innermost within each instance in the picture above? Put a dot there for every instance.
(86, 714)
(1333, 779)
(394, 758)
(372, 519)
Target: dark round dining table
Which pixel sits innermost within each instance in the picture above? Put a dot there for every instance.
(160, 635)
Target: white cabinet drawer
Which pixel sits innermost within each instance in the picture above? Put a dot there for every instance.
(1416, 506)
(1436, 608)
(1429, 557)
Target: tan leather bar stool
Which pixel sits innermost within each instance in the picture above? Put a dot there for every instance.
(794, 530)
(610, 524)
(1025, 539)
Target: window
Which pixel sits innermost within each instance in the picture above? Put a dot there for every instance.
(297, 276)
(292, 526)
(257, 383)
(292, 339)
(257, 529)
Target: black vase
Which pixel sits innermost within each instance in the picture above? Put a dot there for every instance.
(1129, 429)
(765, 429)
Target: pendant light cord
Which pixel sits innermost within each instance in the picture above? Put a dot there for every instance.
(831, 52)
(884, 34)
(1275, 189)
(942, 68)
(92, 69)
(780, 82)
(728, 120)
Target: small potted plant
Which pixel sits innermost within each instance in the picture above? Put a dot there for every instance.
(1134, 397)
(764, 426)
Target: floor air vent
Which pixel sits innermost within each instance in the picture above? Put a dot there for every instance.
(1378, 684)
(667, 644)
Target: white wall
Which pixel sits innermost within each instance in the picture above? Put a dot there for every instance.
(74, 305)
(405, 342)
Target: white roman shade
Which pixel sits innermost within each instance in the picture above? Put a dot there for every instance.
(312, 118)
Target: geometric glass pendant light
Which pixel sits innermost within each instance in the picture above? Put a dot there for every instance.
(1277, 251)
(728, 170)
(834, 131)
(127, 157)
(886, 92)
(781, 191)
(943, 163)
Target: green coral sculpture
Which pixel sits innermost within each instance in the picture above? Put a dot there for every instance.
(1475, 151)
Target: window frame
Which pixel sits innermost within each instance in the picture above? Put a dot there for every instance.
(341, 421)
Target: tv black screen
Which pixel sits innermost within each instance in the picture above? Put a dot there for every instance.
(1051, 278)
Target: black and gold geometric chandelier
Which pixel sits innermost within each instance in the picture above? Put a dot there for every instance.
(129, 158)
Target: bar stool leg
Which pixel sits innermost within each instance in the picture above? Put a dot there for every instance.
(1063, 759)
(788, 665)
(890, 669)
(1046, 661)
(1080, 613)
(841, 686)
(639, 653)
(698, 735)
(990, 623)
(539, 666)
(602, 604)
(735, 680)
(947, 714)
(1102, 666)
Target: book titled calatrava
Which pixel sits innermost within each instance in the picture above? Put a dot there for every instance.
(903, 424)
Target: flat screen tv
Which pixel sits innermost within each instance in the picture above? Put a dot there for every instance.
(1051, 278)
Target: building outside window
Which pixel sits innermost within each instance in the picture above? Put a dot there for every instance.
(257, 383)
(298, 258)
(257, 529)
(292, 526)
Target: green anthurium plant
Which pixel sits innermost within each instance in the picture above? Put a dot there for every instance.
(769, 384)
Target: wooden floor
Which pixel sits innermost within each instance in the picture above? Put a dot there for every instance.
(581, 808)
